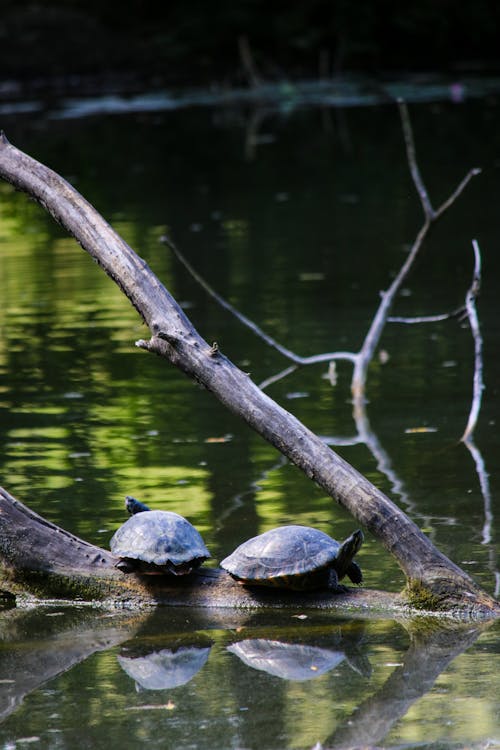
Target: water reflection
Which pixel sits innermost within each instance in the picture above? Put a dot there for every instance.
(290, 661)
(363, 677)
(429, 654)
(164, 669)
(63, 638)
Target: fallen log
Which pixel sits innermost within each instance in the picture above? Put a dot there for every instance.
(42, 559)
(434, 583)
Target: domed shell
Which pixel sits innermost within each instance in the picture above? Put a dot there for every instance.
(159, 538)
(295, 557)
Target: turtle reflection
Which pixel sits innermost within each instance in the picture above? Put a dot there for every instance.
(165, 669)
(290, 661)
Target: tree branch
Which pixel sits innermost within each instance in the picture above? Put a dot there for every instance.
(361, 359)
(358, 383)
(412, 162)
(429, 318)
(470, 305)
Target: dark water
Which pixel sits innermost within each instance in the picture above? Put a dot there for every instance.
(299, 220)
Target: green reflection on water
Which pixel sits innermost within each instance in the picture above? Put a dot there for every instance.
(368, 681)
(302, 239)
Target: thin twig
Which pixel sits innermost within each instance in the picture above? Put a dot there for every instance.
(412, 161)
(457, 192)
(295, 358)
(478, 385)
(429, 318)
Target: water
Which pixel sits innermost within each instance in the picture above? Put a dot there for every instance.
(299, 220)
(184, 679)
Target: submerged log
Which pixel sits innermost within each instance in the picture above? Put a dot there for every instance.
(433, 581)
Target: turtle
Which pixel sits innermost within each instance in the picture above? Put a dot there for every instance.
(157, 542)
(296, 557)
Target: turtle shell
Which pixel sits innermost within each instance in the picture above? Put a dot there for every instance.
(158, 542)
(295, 557)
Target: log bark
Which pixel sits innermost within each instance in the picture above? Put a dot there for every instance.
(434, 582)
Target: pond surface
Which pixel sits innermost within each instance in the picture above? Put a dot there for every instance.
(298, 219)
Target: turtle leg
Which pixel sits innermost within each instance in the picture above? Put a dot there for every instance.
(354, 573)
(333, 583)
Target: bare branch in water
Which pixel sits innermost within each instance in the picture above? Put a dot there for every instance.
(269, 340)
(458, 313)
(470, 304)
(412, 162)
(361, 360)
(358, 383)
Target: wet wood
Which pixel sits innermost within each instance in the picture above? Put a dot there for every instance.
(434, 582)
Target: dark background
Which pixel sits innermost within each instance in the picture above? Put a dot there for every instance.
(196, 42)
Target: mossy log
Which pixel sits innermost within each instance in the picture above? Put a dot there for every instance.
(43, 560)
(433, 581)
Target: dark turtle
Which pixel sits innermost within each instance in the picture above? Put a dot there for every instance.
(157, 542)
(295, 557)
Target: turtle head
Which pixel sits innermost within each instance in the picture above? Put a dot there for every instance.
(355, 541)
(344, 564)
(134, 506)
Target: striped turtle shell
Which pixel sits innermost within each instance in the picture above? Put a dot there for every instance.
(157, 542)
(295, 557)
